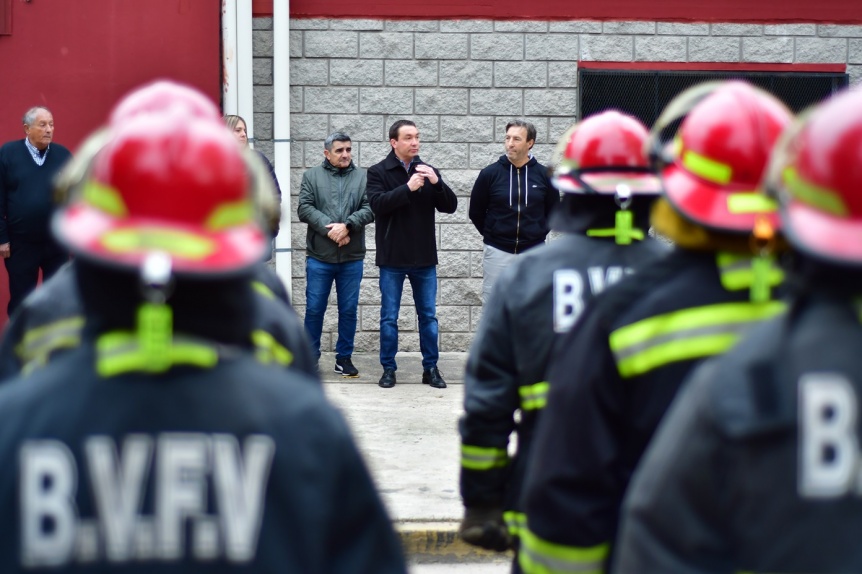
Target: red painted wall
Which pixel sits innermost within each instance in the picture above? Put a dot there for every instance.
(772, 11)
(79, 58)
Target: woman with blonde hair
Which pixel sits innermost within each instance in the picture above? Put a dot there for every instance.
(237, 126)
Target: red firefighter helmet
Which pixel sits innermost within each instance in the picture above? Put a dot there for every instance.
(816, 173)
(602, 152)
(166, 182)
(164, 96)
(717, 160)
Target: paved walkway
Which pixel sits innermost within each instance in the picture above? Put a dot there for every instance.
(409, 437)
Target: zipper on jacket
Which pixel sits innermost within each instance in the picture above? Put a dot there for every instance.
(518, 223)
(341, 211)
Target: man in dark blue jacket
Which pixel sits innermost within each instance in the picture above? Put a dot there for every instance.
(27, 169)
(511, 202)
(404, 192)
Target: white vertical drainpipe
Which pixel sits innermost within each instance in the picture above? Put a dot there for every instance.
(230, 93)
(281, 134)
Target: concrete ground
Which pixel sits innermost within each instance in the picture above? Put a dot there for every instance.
(409, 437)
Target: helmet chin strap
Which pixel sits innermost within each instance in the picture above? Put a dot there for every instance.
(624, 230)
(623, 220)
(155, 318)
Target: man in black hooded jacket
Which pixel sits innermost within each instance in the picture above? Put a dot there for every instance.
(511, 202)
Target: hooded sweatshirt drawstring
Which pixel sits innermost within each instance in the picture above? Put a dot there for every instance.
(510, 184)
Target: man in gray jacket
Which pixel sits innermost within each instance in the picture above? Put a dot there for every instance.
(332, 202)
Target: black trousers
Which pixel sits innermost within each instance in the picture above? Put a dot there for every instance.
(24, 263)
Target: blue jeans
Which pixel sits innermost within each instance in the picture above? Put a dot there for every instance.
(319, 277)
(423, 280)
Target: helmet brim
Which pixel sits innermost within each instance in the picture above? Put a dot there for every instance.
(714, 206)
(827, 237)
(127, 241)
(607, 183)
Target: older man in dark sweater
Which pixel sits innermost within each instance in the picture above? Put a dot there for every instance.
(27, 171)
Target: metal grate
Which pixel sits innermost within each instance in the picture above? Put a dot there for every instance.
(644, 93)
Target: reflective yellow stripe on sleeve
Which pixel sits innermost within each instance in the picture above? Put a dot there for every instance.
(539, 556)
(483, 458)
(685, 334)
(534, 397)
(268, 350)
(38, 344)
(262, 289)
(515, 522)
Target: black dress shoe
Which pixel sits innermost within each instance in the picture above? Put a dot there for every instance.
(433, 377)
(387, 381)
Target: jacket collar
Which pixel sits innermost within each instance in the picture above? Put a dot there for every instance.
(504, 160)
(391, 161)
(337, 170)
(215, 308)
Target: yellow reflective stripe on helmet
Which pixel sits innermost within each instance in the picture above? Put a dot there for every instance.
(119, 352)
(483, 458)
(814, 195)
(737, 272)
(750, 202)
(707, 168)
(171, 241)
(105, 198)
(515, 522)
(268, 350)
(262, 289)
(686, 334)
(539, 556)
(534, 397)
(230, 215)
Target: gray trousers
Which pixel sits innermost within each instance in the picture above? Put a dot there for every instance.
(493, 263)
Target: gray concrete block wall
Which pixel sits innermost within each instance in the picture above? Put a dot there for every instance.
(461, 81)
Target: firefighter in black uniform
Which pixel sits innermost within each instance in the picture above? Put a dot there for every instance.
(49, 321)
(162, 443)
(756, 465)
(614, 375)
(603, 218)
